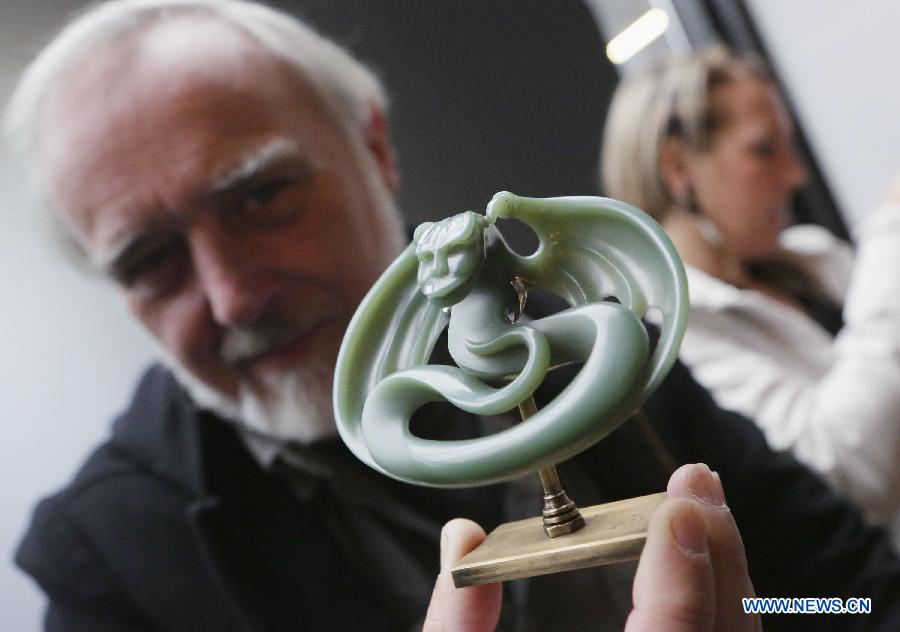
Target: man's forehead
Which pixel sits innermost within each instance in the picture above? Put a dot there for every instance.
(119, 99)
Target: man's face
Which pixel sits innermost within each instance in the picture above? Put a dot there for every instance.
(242, 225)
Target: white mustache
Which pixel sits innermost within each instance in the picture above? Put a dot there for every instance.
(241, 344)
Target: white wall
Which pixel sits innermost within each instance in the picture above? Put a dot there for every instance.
(841, 62)
(68, 356)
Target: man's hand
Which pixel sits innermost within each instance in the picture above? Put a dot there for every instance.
(693, 571)
(471, 609)
(691, 576)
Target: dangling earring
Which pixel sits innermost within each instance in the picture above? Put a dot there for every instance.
(708, 230)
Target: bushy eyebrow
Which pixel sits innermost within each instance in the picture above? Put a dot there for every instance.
(259, 160)
(245, 169)
(109, 259)
(113, 259)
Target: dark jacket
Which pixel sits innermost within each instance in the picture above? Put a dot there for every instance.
(171, 524)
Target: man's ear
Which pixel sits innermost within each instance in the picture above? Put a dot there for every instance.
(378, 140)
(673, 167)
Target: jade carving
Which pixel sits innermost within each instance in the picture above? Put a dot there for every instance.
(459, 273)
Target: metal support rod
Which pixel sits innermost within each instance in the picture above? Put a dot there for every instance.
(561, 516)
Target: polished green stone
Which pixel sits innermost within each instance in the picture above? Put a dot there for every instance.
(590, 249)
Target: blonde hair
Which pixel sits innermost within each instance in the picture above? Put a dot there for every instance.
(672, 98)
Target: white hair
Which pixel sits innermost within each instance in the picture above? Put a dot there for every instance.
(347, 89)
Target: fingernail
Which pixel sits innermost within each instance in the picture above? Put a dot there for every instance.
(704, 487)
(689, 531)
(445, 541)
(718, 480)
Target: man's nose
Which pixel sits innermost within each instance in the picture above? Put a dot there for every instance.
(236, 296)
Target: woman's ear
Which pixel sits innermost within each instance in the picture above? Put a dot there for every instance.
(378, 139)
(673, 167)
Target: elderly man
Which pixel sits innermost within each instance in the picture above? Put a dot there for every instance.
(232, 172)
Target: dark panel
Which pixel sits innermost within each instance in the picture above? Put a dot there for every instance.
(486, 96)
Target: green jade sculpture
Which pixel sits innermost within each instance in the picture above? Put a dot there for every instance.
(460, 271)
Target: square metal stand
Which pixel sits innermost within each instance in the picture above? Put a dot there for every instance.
(613, 532)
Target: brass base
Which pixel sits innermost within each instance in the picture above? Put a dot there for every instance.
(613, 532)
(560, 515)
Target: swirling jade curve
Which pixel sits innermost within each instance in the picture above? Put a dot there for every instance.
(590, 249)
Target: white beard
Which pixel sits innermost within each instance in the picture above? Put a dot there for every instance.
(297, 406)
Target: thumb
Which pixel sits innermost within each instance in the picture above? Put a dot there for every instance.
(470, 609)
(674, 588)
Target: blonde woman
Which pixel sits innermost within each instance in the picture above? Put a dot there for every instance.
(785, 327)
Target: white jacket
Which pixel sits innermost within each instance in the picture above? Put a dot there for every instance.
(835, 402)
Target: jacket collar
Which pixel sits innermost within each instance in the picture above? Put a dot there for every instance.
(164, 431)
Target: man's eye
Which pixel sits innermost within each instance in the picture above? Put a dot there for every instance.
(266, 193)
(155, 270)
(269, 205)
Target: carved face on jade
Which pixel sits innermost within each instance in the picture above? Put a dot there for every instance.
(450, 254)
